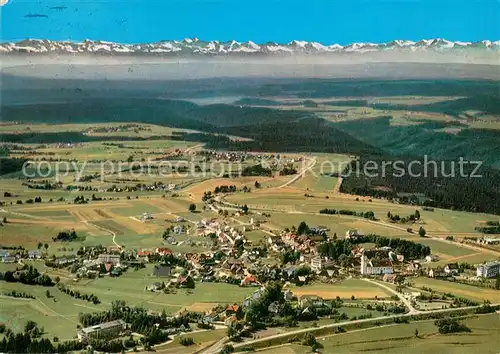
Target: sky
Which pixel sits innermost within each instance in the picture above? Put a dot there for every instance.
(324, 21)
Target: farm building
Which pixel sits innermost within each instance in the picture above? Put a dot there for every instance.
(488, 270)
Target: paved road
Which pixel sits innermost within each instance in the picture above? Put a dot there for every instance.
(193, 147)
(300, 174)
(217, 347)
(413, 311)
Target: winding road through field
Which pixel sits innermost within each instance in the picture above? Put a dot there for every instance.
(408, 304)
(300, 174)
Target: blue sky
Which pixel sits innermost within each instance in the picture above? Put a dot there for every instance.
(326, 21)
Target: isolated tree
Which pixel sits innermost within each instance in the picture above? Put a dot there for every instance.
(257, 184)
(421, 232)
(5, 221)
(39, 245)
(416, 332)
(46, 246)
(303, 228)
(192, 207)
(417, 215)
(245, 209)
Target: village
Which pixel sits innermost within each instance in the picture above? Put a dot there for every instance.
(294, 258)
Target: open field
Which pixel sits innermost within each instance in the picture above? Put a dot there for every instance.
(461, 290)
(142, 129)
(288, 199)
(137, 208)
(196, 191)
(401, 339)
(59, 316)
(29, 234)
(112, 226)
(336, 223)
(347, 288)
(131, 288)
(447, 249)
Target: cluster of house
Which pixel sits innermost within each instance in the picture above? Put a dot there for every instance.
(110, 262)
(305, 244)
(225, 155)
(13, 256)
(66, 145)
(485, 270)
(158, 186)
(486, 240)
(226, 235)
(175, 276)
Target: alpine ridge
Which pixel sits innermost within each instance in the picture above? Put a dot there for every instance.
(195, 46)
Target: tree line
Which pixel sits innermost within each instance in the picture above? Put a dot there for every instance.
(409, 249)
(78, 295)
(367, 214)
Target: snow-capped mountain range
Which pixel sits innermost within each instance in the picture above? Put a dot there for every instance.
(194, 46)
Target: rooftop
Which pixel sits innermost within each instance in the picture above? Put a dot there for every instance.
(105, 325)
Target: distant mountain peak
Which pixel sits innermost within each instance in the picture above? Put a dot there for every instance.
(195, 46)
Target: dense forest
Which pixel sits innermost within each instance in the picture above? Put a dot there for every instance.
(269, 129)
(475, 194)
(426, 138)
(10, 165)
